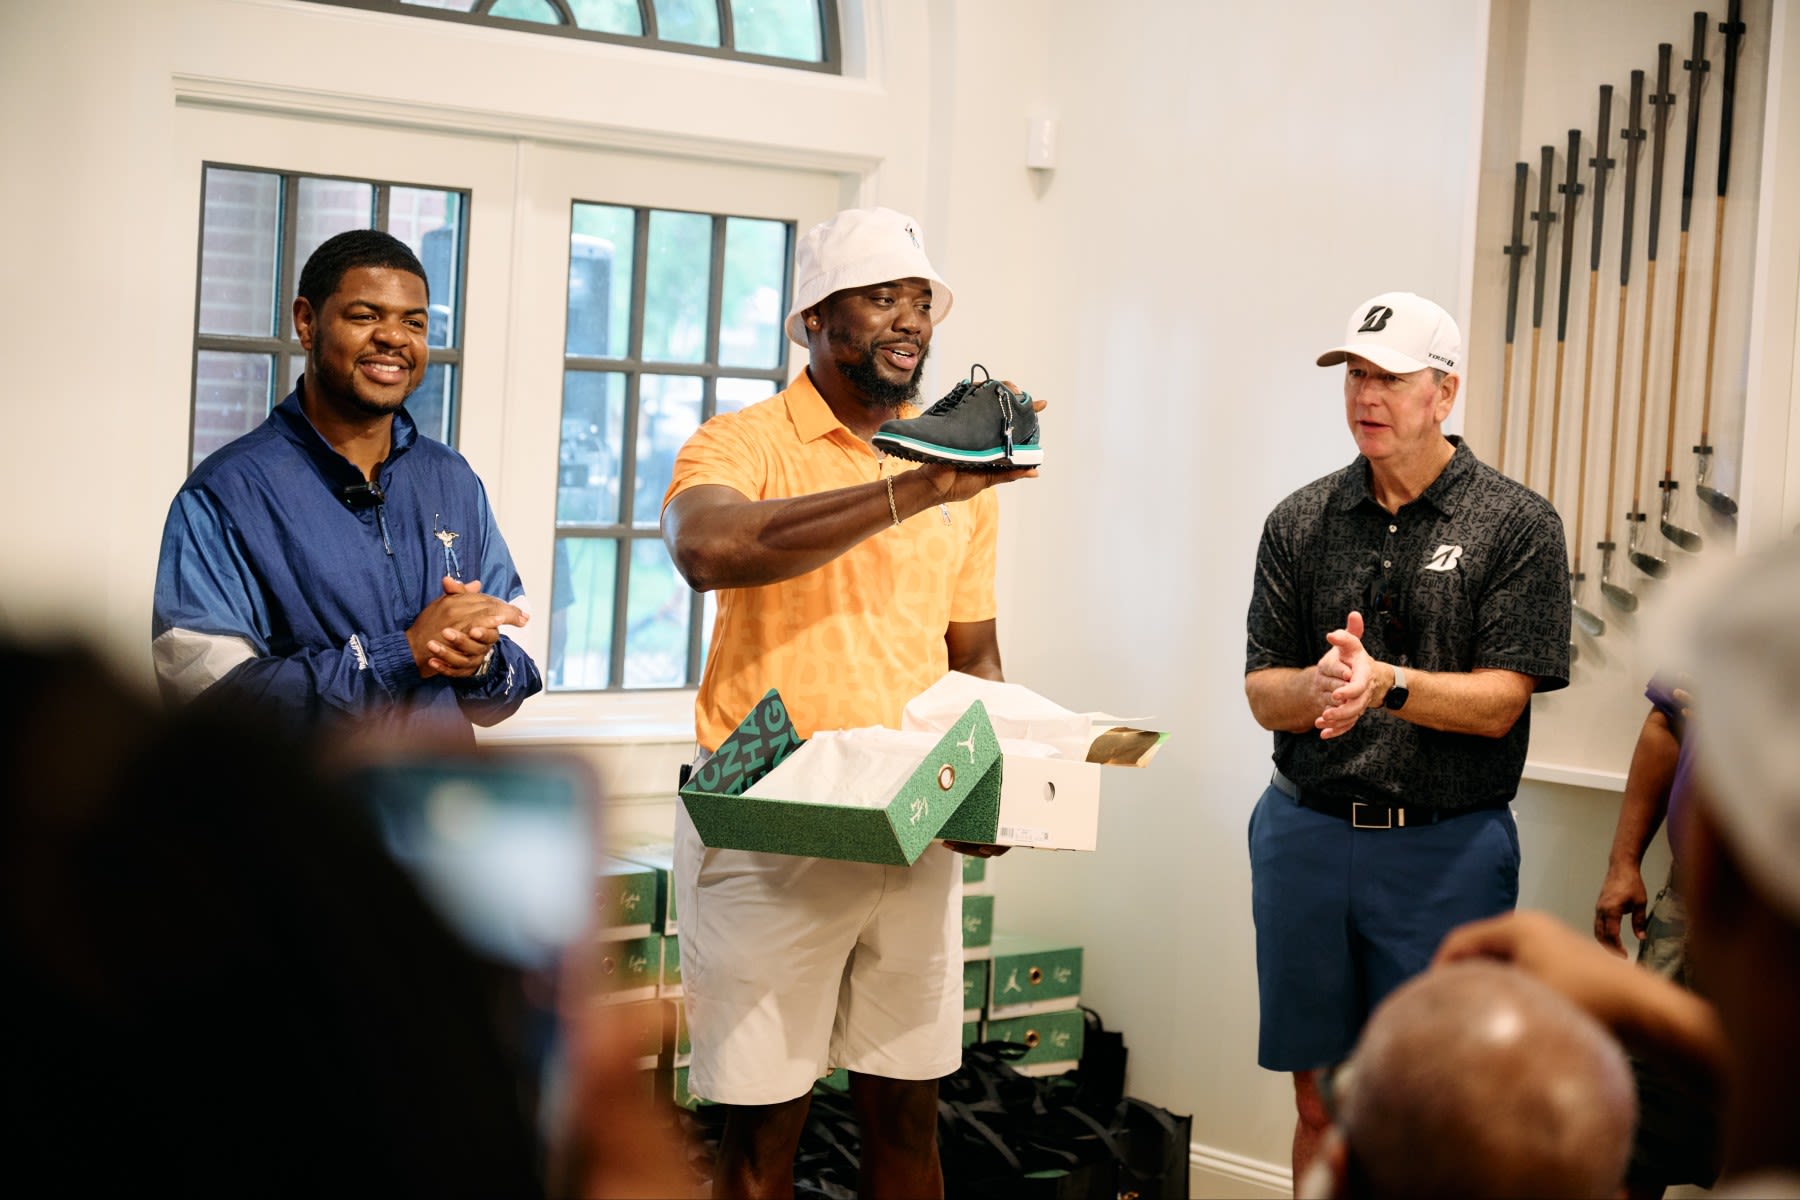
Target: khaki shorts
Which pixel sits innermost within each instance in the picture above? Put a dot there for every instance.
(793, 966)
(1664, 948)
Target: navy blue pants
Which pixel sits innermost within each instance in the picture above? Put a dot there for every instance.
(1344, 916)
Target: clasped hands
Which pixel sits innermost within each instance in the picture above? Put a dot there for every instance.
(453, 634)
(1344, 680)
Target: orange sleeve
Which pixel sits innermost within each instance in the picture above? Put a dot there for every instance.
(722, 451)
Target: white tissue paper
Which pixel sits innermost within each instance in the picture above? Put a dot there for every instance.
(1017, 713)
(859, 768)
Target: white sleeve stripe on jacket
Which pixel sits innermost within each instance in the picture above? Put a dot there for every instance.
(188, 662)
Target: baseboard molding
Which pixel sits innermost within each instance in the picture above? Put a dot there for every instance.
(1220, 1173)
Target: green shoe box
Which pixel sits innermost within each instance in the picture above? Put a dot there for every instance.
(628, 970)
(1053, 1040)
(624, 898)
(971, 1032)
(656, 853)
(975, 987)
(974, 873)
(1032, 975)
(977, 923)
(676, 1032)
(669, 980)
(893, 831)
(1043, 803)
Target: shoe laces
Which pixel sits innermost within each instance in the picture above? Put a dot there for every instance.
(956, 395)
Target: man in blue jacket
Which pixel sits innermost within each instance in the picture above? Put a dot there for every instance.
(332, 562)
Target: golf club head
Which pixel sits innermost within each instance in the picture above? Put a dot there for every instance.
(1709, 495)
(1574, 652)
(1621, 598)
(1648, 563)
(1687, 539)
(1718, 501)
(1588, 623)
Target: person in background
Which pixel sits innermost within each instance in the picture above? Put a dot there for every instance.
(333, 564)
(1404, 611)
(1677, 1138)
(851, 586)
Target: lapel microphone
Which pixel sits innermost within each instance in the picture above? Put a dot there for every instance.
(366, 494)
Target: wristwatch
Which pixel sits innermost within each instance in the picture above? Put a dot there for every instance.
(1396, 695)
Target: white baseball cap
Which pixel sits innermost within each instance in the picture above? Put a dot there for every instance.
(1743, 656)
(1400, 332)
(856, 248)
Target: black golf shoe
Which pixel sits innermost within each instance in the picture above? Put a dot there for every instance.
(976, 427)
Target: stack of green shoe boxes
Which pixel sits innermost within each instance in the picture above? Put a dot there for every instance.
(654, 855)
(658, 856)
(1034, 997)
(978, 929)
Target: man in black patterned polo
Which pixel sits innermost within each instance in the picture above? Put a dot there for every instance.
(1405, 609)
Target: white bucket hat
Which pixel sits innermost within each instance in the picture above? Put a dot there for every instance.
(858, 247)
(1400, 332)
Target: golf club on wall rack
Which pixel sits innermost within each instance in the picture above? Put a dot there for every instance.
(1650, 564)
(1719, 502)
(1696, 67)
(1514, 250)
(1544, 217)
(1618, 594)
(1601, 164)
(1570, 188)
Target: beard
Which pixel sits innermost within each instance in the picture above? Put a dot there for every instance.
(343, 389)
(867, 377)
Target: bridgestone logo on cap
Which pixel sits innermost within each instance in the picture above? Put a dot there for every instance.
(1376, 320)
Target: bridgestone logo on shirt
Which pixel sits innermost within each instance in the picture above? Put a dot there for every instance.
(1444, 558)
(356, 648)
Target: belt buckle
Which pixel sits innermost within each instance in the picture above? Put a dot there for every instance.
(1356, 815)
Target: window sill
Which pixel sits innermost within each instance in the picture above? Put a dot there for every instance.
(594, 718)
(1585, 777)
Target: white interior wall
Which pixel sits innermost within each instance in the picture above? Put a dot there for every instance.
(1226, 189)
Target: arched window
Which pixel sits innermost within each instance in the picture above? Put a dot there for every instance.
(789, 33)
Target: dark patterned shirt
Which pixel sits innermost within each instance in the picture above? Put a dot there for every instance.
(1472, 574)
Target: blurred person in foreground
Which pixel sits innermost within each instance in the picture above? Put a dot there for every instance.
(334, 564)
(1477, 1081)
(220, 982)
(1741, 880)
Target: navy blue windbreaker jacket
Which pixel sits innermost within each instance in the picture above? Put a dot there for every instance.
(272, 589)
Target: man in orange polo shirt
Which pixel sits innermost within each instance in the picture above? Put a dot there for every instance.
(851, 585)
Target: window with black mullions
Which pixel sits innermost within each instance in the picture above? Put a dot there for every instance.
(258, 226)
(673, 317)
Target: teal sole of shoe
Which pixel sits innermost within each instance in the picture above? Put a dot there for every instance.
(993, 458)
